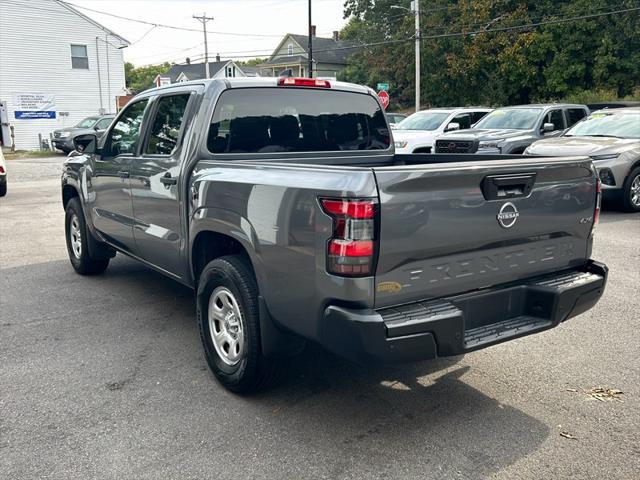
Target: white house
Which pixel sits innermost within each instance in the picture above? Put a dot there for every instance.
(57, 66)
(196, 71)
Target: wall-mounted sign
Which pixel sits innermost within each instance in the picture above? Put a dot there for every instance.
(33, 106)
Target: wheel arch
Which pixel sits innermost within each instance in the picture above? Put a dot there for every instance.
(69, 192)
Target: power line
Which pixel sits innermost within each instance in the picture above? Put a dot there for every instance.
(162, 25)
(451, 34)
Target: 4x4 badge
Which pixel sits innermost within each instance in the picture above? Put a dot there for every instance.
(508, 215)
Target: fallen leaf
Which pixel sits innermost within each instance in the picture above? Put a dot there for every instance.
(605, 394)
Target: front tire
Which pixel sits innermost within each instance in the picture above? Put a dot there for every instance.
(229, 320)
(3, 189)
(631, 192)
(78, 238)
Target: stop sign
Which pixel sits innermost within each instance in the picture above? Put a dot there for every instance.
(384, 98)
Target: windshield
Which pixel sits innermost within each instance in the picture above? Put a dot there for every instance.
(284, 119)
(622, 125)
(516, 118)
(423, 121)
(87, 122)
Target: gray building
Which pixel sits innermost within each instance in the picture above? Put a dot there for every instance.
(329, 56)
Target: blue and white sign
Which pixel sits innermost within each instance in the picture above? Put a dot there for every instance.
(33, 106)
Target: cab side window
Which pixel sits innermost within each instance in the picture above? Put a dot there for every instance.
(464, 120)
(555, 117)
(124, 136)
(165, 129)
(476, 116)
(574, 115)
(103, 124)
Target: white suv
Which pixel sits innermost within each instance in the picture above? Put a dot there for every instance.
(416, 133)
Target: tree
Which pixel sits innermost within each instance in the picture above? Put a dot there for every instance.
(490, 64)
(141, 78)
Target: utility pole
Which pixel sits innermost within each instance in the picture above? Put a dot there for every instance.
(415, 6)
(310, 46)
(204, 19)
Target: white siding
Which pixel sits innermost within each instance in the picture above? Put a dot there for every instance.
(35, 56)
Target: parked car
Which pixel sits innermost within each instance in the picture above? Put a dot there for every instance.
(418, 131)
(612, 139)
(614, 104)
(3, 175)
(63, 138)
(512, 129)
(394, 118)
(282, 203)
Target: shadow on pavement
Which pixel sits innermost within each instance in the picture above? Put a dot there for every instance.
(341, 417)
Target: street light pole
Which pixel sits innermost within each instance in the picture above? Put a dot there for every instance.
(415, 6)
(204, 19)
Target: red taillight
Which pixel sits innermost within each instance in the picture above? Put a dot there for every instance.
(351, 250)
(1, 169)
(303, 82)
(349, 208)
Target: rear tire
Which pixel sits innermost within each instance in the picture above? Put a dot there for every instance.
(78, 237)
(229, 320)
(631, 192)
(3, 189)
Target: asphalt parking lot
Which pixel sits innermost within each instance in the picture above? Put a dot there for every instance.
(104, 377)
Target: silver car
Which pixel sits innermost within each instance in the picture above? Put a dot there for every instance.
(512, 129)
(612, 139)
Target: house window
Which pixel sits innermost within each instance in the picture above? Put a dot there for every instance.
(290, 49)
(79, 58)
(231, 71)
(302, 71)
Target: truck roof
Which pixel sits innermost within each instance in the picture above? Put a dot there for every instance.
(257, 82)
(545, 105)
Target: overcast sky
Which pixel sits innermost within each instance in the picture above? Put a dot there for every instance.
(271, 18)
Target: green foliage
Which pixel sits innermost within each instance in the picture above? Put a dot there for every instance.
(141, 78)
(253, 62)
(560, 60)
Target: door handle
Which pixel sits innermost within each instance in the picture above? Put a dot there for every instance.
(123, 174)
(168, 180)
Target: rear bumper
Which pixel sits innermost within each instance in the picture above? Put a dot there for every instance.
(464, 323)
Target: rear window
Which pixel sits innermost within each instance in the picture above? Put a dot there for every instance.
(287, 119)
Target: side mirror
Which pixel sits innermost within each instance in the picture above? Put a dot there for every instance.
(452, 126)
(548, 127)
(86, 143)
(95, 127)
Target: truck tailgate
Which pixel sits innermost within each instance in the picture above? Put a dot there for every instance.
(452, 228)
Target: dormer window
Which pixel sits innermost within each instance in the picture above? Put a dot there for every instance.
(290, 49)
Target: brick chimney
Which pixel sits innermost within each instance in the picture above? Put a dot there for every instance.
(313, 30)
(217, 57)
(335, 35)
(188, 61)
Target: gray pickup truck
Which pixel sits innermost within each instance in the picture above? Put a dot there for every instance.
(512, 129)
(282, 203)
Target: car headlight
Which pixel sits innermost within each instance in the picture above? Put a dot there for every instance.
(400, 144)
(609, 156)
(490, 144)
(65, 134)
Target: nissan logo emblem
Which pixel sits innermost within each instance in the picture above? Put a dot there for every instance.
(508, 215)
(452, 147)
